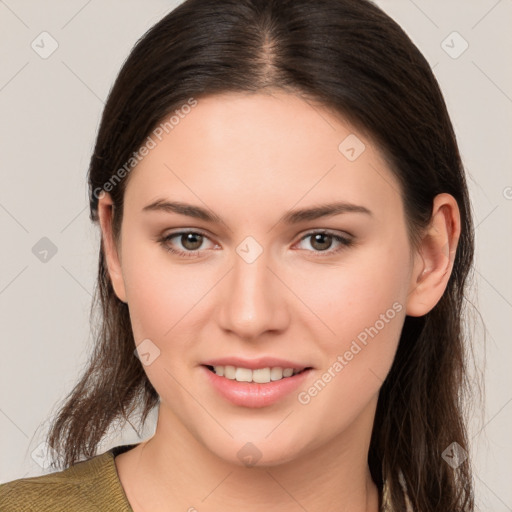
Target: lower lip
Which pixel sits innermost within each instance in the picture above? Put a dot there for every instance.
(253, 394)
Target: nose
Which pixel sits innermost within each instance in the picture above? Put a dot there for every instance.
(254, 300)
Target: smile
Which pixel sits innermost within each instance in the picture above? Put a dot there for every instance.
(257, 387)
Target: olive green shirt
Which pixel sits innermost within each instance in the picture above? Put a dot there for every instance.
(89, 486)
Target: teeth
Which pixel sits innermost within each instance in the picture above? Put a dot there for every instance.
(276, 373)
(243, 375)
(260, 375)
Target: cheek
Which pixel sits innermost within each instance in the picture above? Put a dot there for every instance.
(162, 296)
(365, 307)
(367, 321)
(369, 283)
(164, 301)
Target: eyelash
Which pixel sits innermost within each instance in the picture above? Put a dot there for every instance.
(345, 243)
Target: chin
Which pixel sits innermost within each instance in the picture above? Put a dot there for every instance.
(258, 452)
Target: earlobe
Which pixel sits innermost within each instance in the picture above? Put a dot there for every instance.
(435, 256)
(105, 214)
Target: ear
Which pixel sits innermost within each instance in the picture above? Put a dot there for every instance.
(105, 214)
(433, 260)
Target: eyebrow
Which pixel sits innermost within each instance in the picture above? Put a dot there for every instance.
(290, 217)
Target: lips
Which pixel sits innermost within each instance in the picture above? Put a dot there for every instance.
(256, 382)
(253, 394)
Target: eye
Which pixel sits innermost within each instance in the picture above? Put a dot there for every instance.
(191, 241)
(322, 241)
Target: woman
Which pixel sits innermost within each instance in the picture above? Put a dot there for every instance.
(286, 237)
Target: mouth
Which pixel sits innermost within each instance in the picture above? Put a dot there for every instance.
(255, 387)
(257, 375)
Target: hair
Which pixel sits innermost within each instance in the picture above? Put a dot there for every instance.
(352, 58)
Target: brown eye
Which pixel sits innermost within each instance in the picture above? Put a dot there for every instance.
(191, 241)
(188, 244)
(321, 241)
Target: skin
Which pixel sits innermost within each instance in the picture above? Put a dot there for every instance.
(249, 159)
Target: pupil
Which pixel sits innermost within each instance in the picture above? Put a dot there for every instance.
(320, 236)
(189, 238)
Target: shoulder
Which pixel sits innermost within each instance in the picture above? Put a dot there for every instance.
(87, 486)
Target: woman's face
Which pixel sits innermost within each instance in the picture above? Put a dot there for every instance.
(259, 283)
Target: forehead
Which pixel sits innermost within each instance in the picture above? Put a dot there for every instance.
(272, 150)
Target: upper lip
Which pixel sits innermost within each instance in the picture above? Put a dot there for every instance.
(253, 364)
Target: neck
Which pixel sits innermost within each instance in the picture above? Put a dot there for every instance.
(173, 471)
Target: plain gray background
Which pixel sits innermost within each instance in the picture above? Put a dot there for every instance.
(50, 110)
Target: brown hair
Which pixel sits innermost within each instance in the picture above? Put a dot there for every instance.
(351, 57)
